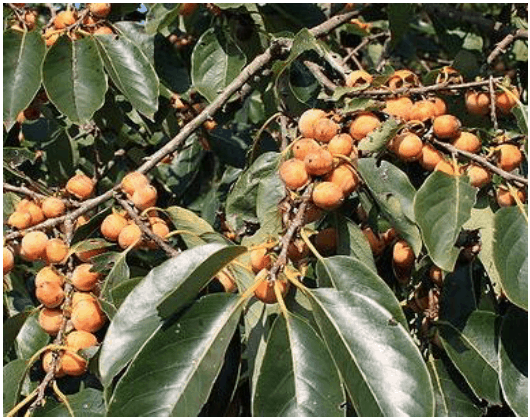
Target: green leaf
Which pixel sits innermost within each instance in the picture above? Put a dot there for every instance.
(160, 16)
(62, 157)
(297, 377)
(186, 220)
(11, 329)
(348, 274)
(400, 17)
(352, 242)
(23, 55)
(179, 279)
(72, 74)
(521, 115)
(215, 62)
(131, 72)
(31, 337)
(513, 360)
(441, 206)
(175, 370)
(378, 139)
(510, 253)
(381, 367)
(13, 375)
(458, 299)
(271, 191)
(473, 350)
(118, 273)
(86, 403)
(452, 395)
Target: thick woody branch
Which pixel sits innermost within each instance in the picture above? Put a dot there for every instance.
(320, 76)
(505, 43)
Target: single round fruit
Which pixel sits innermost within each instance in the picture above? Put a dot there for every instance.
(259, 259)
(341, 144)
(48, 275)
(87, 316)
(430, 157)
(8, 261)
(402, 78)
(358, 78)
(422, 111)
(100, 10)
(160, 229)
(80, 186)
(51, 320)
(327, 196)
(477, 103)
(478, 176)
(505, 197)
(79, 296)
(326, 241)
(363, 124)
(133, 181)
(312, 214)
(376, 243)
(399, 107)
(446, 167)
(74, 364)
(302, 147)
(293, 173)
(19, 220)
(446, 127)
(297, 250)
(64, 19)
(265, 291)
(325, 130)
(187, 9)
(308, 120)
(112, 225)
(402, 255)
(145, 197)
(103, 30)
(505, 101)
(468, 142)
(47, 362)
(439, 105)
(84, 279)
(49, 294)
(34, 210)
(319, 162)
(56, 251)
(53, 207)
(510, 157)
(407, 147)
(131, 234)
(344, 177)
(33, 245)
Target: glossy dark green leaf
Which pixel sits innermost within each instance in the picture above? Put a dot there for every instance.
(378, 139)
(187, 221)
(86, 403)
(458, 299)
(131, 72)
(122, 290)
(216, 61)
(452, 394)
(473, 350)
(160, 15)
(11, 329)
(521, 114)
(174, 371)
(230, 145)
(297, 377)
(513, 360)
(12, 376)
(352, 242)
(349, 274)
(271, 191)
(31, 337)
(441, 206)
(118, 273)
(179, 279)
(394, 194)
(510, 253)
(62, 157)
(23, 55)
(73, 76)
(380, 365)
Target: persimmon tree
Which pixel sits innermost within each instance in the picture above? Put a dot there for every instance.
(265, 209)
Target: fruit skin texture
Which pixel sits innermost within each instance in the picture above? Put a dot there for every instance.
(51, 320)
(227, 282)
(363, 124)
(129, 235)
(399, 107)
(33, 245)
(187, 9)
(297, 250)
(326, 241)
(407, 147)
(80, 186)
(402, 78)
(103, 30)
(478, 176)
(8, 260)
(47, 363)
(133, 181)
(265, 291)
(72, 363)
(402, 254)
(308, 120)
(34, 210)
(19, 220)
(341, 144)
(439, 105)
(422, 111)
(510, 157)
(344, 177)
(302, 147)
(112, 225)
(100, 10)
(376, 243)
(430, 157)
(468, 142)
(325, 130)
(49, 275)
(56, 251)
(145, 197)
(358, 78)
(260, 260)
(64, 19)
(50, 295)
(53, 207)
(446, 127)
(318, 163)
(327, 196)
(477, 103)
(83, 279)
(505, 198)
(505, 101)
(293, 173)
(445, 167)
(88, 316)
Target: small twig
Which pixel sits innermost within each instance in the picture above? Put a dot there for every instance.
(505, 43)
(493, 114)
(35, 195)
(482, 161)
(320, 76)
(284, 136)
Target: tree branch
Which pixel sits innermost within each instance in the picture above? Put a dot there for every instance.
(505, 43)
